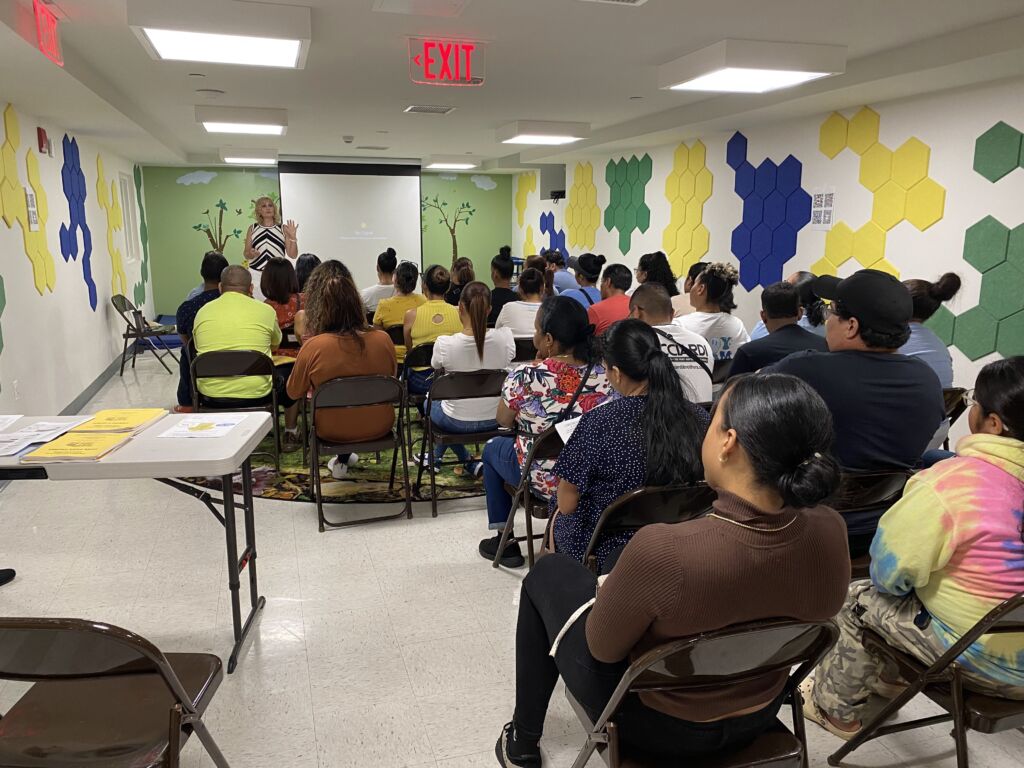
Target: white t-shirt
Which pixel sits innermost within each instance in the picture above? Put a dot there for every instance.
(725, 332)
(696, 381)
(519, 316)
(457, 353)
(373, 295)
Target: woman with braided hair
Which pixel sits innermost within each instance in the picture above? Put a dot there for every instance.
(712, 301)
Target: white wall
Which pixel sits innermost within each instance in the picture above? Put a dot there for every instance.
(55, 344)
(949, 123)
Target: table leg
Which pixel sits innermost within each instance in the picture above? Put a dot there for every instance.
(236, 564)
(256, 600)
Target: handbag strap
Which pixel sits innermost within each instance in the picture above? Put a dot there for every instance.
(686, 350)
(583, 382)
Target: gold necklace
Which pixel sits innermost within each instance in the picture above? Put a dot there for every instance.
(752, 527)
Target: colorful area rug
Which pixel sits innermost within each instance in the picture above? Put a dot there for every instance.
(366, 483)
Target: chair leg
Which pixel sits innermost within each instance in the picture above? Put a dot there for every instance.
(507, 530)
(959, 726)
(211, 746)
(419, 466)
(305, 429)
(135, 352)
(314, 470)
(868, 730)
(124, 355)
(159, 357)
(433, 473)
(529, 532)
(277, 439)
(407, 489)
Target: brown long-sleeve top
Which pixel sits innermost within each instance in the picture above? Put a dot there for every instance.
(674, 581)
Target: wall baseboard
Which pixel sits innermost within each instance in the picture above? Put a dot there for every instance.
(76, 405)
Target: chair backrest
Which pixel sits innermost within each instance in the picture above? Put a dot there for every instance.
(419, 356)
(721, 371)
(525, 351)
(953, 401)
(128, 312)
(646, 506)
(467, 384)
(397, 334)
(862, 491)
(357, 391)
(1006, 617)
(228, 364)
(547, 445)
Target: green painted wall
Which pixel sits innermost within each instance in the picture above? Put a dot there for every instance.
(175, 201)
(489, 227)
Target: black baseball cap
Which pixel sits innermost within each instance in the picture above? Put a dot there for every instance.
(878, 300)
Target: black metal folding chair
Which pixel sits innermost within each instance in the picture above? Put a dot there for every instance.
(526, 351)
(646, 506)
(721, 371)
(232, 363)
(138, 331)
(358, 392)
(953, 402)
(863, 492)
(711, 660)
(547, 445)
(455, 386)
(101, 696)
(944, 683)
(417, 357)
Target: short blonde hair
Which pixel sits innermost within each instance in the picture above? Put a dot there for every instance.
(256, 209)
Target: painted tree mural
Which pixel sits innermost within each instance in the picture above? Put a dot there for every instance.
(214, 228)
(450, 217)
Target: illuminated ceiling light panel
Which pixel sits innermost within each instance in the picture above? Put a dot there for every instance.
(451, 166)
(751, 66)
(450, 163)
(251, 120)
(175, 45)
(249, 161)
(253, 128)
(248, 156)
(542, 132)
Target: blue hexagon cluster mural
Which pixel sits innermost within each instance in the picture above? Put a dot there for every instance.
(626, 211)
(775, 209)
(73, 180)
(556, 238)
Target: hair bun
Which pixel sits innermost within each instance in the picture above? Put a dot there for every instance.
(601, 259)
(391, 251)
(505, 250)
(812, 480)
(945, 288)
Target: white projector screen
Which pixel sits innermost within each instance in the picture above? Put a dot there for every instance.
(352, 212)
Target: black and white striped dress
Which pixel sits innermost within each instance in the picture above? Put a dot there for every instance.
(268, 242)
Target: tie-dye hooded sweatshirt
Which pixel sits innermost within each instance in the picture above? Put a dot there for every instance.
(955, 539)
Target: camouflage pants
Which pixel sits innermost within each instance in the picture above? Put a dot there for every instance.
(848, 675)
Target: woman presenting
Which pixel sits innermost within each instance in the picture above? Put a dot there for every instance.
(268, 238)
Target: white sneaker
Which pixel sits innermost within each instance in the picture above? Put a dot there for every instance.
(353, 459)
(336, 468)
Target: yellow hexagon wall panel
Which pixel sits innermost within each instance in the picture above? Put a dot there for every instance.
(529, 247)
(838, 247)
(688, 186)
(111, 205)
(889, 206)
(526, 183)
(832, 137)
(925, 203)
(910, 162)
(582, 215)
(876, 167)
(863, 131)
(869, 244)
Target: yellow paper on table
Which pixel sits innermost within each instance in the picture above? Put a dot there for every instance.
(78, 446)
(282, 360)
(129, 420)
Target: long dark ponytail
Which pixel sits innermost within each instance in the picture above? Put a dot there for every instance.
(672, 432)
(476, 298)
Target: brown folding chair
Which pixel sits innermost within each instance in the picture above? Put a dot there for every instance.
(417, 357)
(369, 316)
(862, 492)
(953, 402)
(231, 363)
(455, 386)
(397, 334)
(721, 371)
(646, 506)
(358, 392)
(525, 351)
(547, 445)
(716, 659)
(101, 696)
(943, 682)
(137, 331)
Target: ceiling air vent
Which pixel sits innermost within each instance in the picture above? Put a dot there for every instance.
(428, 109)
(616, 2)
(374, 149)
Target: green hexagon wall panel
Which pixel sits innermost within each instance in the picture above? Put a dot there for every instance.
(627, 211)
(998, 151)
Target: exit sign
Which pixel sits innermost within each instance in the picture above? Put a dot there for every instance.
(46, 32)
(439, 61)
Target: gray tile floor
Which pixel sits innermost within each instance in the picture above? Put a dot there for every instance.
(382, 646)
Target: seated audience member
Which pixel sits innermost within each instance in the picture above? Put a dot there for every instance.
(614, 305)
(562, 278)
(923, 343)
(342, 345)
(814, 310)
(566, 381)
(392, 311)
(690, 354)
(536, 262)
(280, 286)
(462, 274)
(201, 288)
(944, 555)
(304, 267)
(781, 313)
(767, 550)
(540, 263)
(519, 316)
(712, 301)
(654, 268)
(650, 435)
(886, 406)
(212, 267)
(433, 318)
(385, 287)
(236, 320)
(474, 348)
(588, 270)
(681, 302)
(502, 269)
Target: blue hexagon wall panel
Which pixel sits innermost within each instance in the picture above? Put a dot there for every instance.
(73, 181)
(556, 238)
(775, 209)
(626, 211)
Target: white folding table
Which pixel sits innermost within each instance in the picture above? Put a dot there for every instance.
(148, 456)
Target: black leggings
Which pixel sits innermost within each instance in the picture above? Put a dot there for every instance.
(555, 587)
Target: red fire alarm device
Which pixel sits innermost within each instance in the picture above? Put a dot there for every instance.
(44, 141)
(437, 61)
(47, 33)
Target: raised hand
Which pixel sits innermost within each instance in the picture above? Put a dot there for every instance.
(290, 228)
